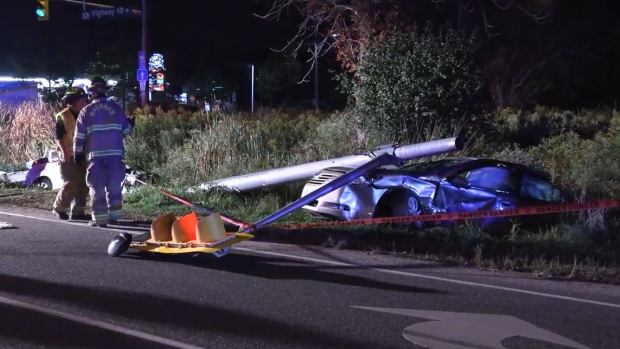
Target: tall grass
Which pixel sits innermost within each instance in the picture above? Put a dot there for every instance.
(26, 131)
(581, 150)
(188, 149)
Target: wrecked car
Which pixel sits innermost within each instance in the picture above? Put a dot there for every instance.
(451, 185)
(43, 173)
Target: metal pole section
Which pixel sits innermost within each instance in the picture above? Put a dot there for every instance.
(143, 93)
(305, 171)
(381, 160)
(252, 93)
(316, 78)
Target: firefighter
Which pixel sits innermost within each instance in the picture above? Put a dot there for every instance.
(74, 189)
(98, 143)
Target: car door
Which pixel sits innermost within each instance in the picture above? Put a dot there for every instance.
(490, 187)
(536, 190)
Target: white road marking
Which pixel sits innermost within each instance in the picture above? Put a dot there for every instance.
(428, 277)
(77, 224)
(387, 271)
(99, 324)
(450, 330)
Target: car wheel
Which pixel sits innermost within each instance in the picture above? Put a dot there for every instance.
(406, 204)
(43, 183)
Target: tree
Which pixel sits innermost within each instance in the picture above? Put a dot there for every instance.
(205, 82)
(518, 43)
(412, 78)
(209, 80)
(353, 24)
(114, 65)
(277, 78)
(558, 55)
(347, 26)
(48, 59)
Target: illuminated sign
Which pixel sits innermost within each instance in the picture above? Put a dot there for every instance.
(157, 73)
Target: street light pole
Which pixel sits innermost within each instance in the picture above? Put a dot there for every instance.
(252, 91)
(143, 93)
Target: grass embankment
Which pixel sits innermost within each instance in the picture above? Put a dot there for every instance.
(581, 151)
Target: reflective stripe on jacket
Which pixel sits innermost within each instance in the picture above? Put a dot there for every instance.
(100, 130)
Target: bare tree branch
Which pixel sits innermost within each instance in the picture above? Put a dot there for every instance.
(348, 27)
(345, 26)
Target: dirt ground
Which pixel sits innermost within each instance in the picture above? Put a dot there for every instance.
(42, 200)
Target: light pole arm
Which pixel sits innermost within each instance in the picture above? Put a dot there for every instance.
(92, 4)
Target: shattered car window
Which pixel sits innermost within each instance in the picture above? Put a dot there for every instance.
(492, 178)
(539, 189)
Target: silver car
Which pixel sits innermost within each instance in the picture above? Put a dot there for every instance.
(443, 186)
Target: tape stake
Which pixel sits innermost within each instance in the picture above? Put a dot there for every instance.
(521, 211)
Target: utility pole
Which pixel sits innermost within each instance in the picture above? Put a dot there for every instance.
(142, 12)
(143, 93)
(316, 78)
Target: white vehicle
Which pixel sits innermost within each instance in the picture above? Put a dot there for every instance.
(45, 172)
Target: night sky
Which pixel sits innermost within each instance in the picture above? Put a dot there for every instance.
(223, 31)
(226, 33)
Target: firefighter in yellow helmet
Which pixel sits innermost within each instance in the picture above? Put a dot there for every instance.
(74, 189)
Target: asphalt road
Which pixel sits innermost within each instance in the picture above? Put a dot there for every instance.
(59, 289)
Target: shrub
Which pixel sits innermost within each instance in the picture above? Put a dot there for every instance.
(412, 77)
(530, 127)
(588, 166)
(192, 148)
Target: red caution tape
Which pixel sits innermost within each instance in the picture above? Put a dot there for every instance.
(521, 211)
(225, 218)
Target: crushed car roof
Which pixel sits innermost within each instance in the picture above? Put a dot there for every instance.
(450, 163)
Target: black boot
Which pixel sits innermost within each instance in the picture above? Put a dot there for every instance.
(94, 224)
(61, 215)
(80, 217)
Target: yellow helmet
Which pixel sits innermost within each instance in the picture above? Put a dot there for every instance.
(73, 94)
(77, 90)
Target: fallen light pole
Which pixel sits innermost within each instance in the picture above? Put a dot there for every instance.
(222, 245)
(301, 172)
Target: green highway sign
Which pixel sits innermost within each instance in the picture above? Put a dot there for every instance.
(107, 13)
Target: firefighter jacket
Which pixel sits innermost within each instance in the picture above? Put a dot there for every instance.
(68, 121)
(100, 130)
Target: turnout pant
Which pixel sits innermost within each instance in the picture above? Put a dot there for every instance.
(74, 189)
(105, 176)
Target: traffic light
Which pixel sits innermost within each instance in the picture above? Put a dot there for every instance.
(43, 10)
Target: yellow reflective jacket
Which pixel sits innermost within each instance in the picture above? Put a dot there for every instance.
(68, 121)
